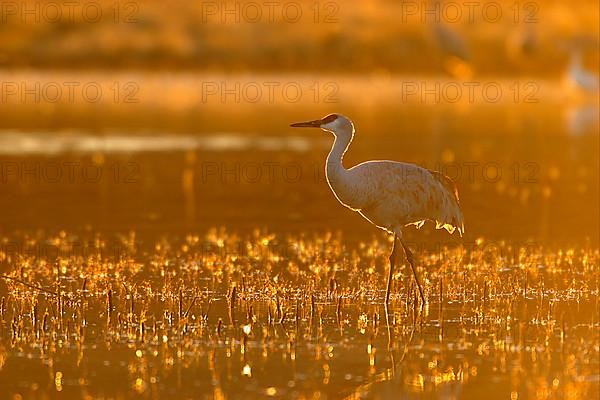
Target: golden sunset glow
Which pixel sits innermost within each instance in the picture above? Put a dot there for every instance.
(375, 199)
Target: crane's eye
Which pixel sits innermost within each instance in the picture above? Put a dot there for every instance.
(329, 118)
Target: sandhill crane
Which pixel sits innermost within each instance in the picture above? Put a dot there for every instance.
(389, 194)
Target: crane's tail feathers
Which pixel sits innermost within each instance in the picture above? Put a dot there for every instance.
(451, 228)
(452, 218)
(444, 210)
(455, 226)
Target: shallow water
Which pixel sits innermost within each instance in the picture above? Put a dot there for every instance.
(524, 185)
(119, 203)
(301, 317)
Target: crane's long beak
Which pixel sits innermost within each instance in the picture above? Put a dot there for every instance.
(308, 124)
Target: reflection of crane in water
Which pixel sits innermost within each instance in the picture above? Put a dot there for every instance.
(455, 51)
(389, 194)
(582, 119)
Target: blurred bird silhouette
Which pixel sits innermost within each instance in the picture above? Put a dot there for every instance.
(579, 77)
(456, 57)
(522, 43)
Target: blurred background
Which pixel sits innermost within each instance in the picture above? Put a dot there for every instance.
(172, 117)
(134, 133)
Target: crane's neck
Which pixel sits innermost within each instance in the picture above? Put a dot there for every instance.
(339, 148)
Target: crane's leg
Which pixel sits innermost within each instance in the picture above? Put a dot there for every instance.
(411, 261)
(392, 262)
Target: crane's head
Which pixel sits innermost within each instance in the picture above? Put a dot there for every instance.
(337, 124)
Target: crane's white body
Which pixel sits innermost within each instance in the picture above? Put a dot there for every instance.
(390, 194)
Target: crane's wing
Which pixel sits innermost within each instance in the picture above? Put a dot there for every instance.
(392, 194)
(448, 183)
